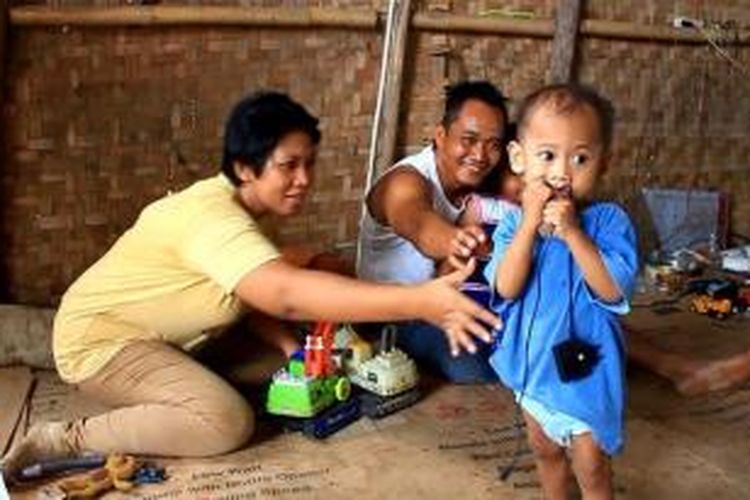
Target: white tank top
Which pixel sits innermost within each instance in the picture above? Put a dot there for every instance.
(386, 256)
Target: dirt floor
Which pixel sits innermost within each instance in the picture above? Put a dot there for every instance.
(456, 440)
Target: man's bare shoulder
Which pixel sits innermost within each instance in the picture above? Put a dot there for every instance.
(401, 186)
(403, 181)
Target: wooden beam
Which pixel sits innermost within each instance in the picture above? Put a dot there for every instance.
(174, 15)
(563, 54)
(384, 130)
(178, 15)
(4, 24)
(3, 41)
(620, 30)
(447, 23)
(388, 130)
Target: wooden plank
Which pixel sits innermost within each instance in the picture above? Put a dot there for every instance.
(385, 121)
(563, 57)
(452, 23)
(15, 388)
(280, 17)
(161, 15)
(3, 38)
(388, 130)
(3, 57)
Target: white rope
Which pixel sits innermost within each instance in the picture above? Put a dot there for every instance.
(377, 118)
(723, 53)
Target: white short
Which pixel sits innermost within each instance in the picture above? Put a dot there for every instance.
(559, 427)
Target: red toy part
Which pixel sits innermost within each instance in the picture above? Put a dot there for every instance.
(318, 348)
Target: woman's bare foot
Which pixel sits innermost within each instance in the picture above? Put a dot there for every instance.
(717, 376)
(44, 441)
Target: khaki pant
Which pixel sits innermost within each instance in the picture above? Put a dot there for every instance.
(166, 404)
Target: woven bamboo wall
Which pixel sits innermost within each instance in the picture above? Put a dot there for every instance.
(101, 121)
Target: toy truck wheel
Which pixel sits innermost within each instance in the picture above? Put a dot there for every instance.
(343, 389)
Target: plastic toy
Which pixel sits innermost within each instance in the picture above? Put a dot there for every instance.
(389, 373)
(374, 406)
(149, 473)
(116, 473)
(309, 383)
(327, 422)
(480, 292)
(389, 379)
(61, 465)
(716, 308)
(717, 298)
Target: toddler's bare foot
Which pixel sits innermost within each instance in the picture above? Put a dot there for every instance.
(44, 441)
(717, 376)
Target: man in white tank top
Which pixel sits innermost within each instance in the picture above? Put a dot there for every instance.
(412, 210)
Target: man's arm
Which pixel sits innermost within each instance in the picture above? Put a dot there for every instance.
(285, 291)
(402, 199)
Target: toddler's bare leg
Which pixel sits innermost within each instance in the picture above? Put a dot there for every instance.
(592, 468)
(551, 462)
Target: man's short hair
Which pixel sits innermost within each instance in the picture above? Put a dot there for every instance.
(257, 124)
(481, 90)
(566, 98)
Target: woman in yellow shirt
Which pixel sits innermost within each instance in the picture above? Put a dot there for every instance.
(197, 260)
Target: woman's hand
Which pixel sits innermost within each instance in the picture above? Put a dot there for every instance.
(460, 317)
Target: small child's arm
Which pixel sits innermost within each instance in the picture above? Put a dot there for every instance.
(595, 273)
(471, 216)
(587, 253)
(513, 270)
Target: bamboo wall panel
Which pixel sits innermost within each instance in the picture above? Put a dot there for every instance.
(100, 122)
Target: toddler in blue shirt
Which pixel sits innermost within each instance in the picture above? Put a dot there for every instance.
(562, 270)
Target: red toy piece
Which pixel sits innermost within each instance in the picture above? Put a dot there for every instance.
(318, 347)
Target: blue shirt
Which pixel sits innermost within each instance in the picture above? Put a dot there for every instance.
(555, 299)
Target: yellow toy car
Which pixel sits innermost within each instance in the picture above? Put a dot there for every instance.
(718, 308)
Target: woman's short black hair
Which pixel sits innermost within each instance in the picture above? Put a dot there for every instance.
(257, 124)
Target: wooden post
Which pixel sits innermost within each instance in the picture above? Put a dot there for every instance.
(388, 129)
(4, 28)
(385, 121)
(4, 25)
(563, 55)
